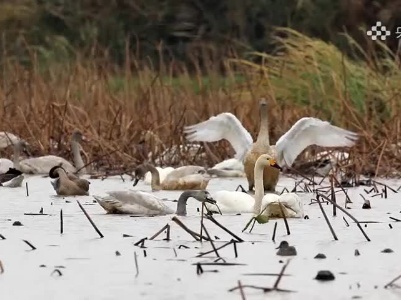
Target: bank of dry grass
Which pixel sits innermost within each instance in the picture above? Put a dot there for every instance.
(115, 107)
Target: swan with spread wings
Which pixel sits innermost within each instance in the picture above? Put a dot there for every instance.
(305, 132)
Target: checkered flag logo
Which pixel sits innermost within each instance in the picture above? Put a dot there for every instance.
(378, 31)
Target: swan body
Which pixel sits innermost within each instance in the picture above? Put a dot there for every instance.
(305, 132)
(43, 164)
(7, 139)
(5, 164)
(163, 172)
(229, 164)
(145, 204)
(232, 202)
(178, 179)
(68, 184)
(12, 178)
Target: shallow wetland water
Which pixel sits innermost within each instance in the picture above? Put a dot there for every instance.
(88, 267)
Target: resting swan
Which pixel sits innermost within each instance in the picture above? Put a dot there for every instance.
(43, 164)
(305, 132)
(12, 178)
(175, 180)
(145, 204)
(240, 202)
(68, 184)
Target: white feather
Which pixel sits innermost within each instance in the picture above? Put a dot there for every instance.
(133, 202)
(311, 131)
(223, 126)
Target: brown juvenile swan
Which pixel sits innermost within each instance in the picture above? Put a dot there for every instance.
(68, 184)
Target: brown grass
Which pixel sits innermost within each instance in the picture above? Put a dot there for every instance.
(114, 108)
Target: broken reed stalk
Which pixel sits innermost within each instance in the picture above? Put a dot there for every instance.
(326, 218)
(213, 250)
(280, 275)
(333, 195)
(274, 232)
(1, 267)
(2, 237)
(159, 232)
(30, 245)
(349, 215)
(193, 234)
(212, 219)
(61, 222)
(201, 226)
(287, 227)
(90, 220)
(347, 199)
(392, 282)
(211, 241)
(241, 290)
(136, 264)
(26, 188)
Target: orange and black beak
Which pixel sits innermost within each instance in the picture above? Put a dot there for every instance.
(274, 164)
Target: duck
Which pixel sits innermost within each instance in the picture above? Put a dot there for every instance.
(66, 184)
(233, 202)
(175, 180)
(284, 249)
(146, 204)
(305, 132)
(43, 164)
(12, 178)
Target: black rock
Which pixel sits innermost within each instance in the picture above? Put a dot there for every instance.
(324, 275)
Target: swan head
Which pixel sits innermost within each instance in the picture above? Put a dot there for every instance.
(203, 196)
(77, 136)
(139, 173)
(267, 160)
(53, 173)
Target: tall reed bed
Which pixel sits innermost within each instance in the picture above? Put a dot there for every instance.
(128, 113)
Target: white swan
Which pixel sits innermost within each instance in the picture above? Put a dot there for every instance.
(12, 178)
(183, 178)
(5, 164)
(7, 139)
(305, 132)
(43, 164)
(240, 202)
(172, 173)
(145, 204)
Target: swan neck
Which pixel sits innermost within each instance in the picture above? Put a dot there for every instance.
(259, 189)
(263, 136)
(76, 153)
(182, 203)
(155, 182)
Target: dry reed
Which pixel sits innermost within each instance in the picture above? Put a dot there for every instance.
(128, 114)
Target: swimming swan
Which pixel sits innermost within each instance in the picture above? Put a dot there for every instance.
(68, 184)
(12, 178)
(305, 132)
(145, 204)
(175, 180)
(240, 202)
(43, 164)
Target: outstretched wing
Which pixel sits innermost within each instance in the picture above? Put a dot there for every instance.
(311, 131)
(223, 126)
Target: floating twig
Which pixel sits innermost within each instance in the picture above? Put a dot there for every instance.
(30, 245)
(395, 219)
(141, 243)
(199, 269)
(219, 264)
(214, 249)
(241, 290)
(280, 275)
(211, 241)
(2, 237)
(57, 271)
(346, 223)
(325, 217)
(192, 233)
(235, 248)
(201, 222)
(90, 220)
(1, 267)
(27, 189)
(212, 219)
(333, 195)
